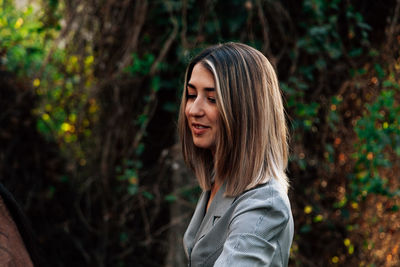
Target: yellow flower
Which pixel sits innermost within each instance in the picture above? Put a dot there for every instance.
(73, 59)
(318, 218)
(335, 259)
(307, 209)
(385, 125)
(66, 127)
(89, 60)
(72, 117)
(362, 174)
(351, 249)
(347, 242)
(45, 117)
(18, 23)
(36, 82)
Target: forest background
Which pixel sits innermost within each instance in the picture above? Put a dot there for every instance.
(89, 94)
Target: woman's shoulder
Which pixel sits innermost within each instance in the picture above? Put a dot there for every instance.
(265, 197)
(263, 211)
(269, 191)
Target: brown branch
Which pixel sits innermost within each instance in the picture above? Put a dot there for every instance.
(167, 44)
(140, 13)
(81, 191)
(150, 107)
(266, 49)
(185, 44)
(216, 18)
(282, 14)
(201, 22)
(79, 245)
(139, 19)
(148, 112)
(249, 29)
(105, 159)
(145, 220)
(163, 168)
(393, 24)
(64, 32)
(173, 222)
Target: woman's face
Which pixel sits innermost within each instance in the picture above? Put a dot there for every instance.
(201, 108)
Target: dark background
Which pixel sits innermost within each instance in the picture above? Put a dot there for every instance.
(89, 94)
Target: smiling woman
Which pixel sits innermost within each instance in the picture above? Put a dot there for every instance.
(201, 110)
(233, 132)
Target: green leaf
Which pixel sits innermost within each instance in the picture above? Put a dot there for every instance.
(139, 150)
(379, 71)
(155, 84)
(148, 195)
(170, 107)
(355, 52)
(305, 229)
(133, 189)
(170, 198)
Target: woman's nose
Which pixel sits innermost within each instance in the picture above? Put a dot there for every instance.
(197, 108)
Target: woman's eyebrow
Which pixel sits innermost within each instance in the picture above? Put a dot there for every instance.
(191, 86)
(208, 89)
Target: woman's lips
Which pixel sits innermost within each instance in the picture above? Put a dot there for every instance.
(199, 129)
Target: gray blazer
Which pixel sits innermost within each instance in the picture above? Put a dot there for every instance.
(253, 229)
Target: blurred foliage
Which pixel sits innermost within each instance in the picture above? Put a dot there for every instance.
(22, 41)
(106, 80)
(378, 133)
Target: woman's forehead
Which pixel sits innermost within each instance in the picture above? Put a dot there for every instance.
(201, 77)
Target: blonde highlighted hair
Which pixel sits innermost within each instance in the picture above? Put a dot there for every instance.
(252, 145)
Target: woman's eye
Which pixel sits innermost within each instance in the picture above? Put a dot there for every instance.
(191, 96)
(212, 100)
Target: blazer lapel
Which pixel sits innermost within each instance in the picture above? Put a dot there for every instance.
(194, 225)
(217, 209)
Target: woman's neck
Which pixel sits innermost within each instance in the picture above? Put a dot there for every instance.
(214, 189)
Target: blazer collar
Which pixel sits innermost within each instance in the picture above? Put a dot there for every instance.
(217, 209)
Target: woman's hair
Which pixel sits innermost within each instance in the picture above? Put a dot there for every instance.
(251, 146)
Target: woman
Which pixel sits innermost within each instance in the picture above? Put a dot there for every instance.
(233, 132)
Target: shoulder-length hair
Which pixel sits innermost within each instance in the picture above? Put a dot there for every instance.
(252, 145)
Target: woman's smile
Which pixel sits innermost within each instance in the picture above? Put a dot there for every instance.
(199, 129)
